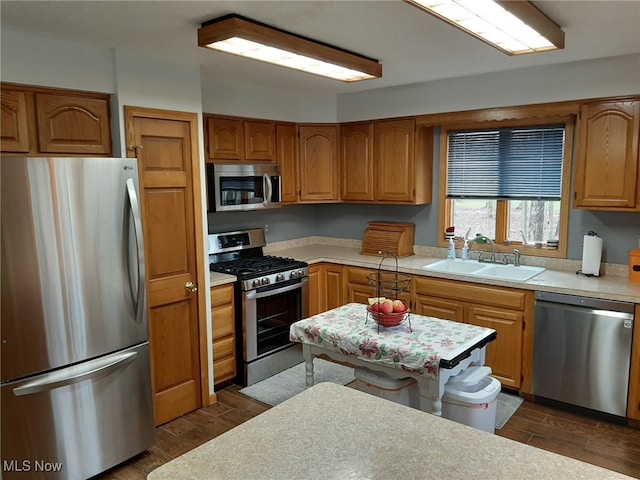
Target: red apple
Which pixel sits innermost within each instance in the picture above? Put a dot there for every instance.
(386, 307)
(398, 306)
(375, 307)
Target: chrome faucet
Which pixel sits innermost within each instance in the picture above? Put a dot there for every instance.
(491, 242)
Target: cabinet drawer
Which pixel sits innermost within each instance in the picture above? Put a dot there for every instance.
(222, 321)
(224, 347)
(469, 292)
(358, 275)
(224, 370)
(221, 295)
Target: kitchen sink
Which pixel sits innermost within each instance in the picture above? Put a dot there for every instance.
(455, 266)
(477, 269)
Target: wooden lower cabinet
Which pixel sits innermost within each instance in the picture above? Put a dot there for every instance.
(359, 290)
(502, 309)
(509, 311)
(223, 334)
(326, 287)
(504, 355)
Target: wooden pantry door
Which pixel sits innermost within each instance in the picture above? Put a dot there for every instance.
(166, 145)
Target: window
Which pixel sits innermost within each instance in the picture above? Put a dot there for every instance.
(508, 182)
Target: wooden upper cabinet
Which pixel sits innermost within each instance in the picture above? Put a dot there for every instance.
(287, 158)
(260, 141)
(14, 126)
(225, 138)
(318, 163)
(38, 120)
(356, 144)
(237, 139)
(394, 152)
(607, 158)
(73, 124)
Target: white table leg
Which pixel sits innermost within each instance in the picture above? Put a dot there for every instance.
(430, 401)
(308, 366)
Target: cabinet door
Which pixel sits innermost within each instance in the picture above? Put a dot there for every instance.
(73, 124)
(314, 289)
(504, 354)
(607, 171)
(318, 163)
(14, 125)
(287, 155)
(357, 293)
(394, 154)
(438, 308)
(225, 138)
(260, 141)
(356, 145)
(333, 286)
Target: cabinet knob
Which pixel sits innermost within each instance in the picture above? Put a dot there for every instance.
(190, 287)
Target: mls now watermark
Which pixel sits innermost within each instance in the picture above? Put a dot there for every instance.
(30, 466)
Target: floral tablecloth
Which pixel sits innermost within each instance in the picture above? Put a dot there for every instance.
(347, 330)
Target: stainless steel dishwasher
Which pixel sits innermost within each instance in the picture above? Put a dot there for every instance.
(582, 351)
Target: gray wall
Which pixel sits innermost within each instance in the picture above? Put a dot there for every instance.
(151, 82)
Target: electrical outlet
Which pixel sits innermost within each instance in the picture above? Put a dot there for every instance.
(266, 228)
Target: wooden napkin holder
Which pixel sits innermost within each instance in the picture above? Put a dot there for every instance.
(388, 237)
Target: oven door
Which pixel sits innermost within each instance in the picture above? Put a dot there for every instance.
(268, 313)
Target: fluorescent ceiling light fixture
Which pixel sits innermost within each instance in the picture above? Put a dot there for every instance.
(247, 38)
(515, 27)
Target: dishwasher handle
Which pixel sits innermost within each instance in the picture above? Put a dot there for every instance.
(587, 302)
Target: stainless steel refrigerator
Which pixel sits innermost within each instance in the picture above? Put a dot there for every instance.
(76, 387)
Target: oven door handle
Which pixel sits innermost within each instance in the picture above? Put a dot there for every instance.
(254, 295)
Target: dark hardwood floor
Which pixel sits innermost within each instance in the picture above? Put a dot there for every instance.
(580, 436)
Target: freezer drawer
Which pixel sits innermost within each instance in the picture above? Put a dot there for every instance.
(79, 421)
(582, 351)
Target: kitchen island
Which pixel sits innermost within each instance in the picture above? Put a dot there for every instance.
(334, 432)
(427, 349)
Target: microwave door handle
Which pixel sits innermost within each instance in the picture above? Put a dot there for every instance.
(267, 182)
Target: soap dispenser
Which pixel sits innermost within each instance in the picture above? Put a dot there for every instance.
(451, 254)
(465, 250)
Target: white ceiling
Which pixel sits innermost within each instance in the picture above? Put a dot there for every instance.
(412, 46)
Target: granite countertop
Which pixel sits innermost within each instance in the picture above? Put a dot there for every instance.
(334, 432)
(218, 279)
(607, 286)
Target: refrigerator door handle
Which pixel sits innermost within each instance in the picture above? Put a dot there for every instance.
(93, 369)
(138, 303)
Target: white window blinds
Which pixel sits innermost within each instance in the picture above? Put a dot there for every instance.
(506, 163)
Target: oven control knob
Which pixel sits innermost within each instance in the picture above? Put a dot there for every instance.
(294, 274)
(280, 277)
(265, 281)
(300, 274)
(256, 283)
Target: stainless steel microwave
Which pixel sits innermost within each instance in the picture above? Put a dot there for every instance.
(241, 187)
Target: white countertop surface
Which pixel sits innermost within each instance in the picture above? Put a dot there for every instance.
(607, 286)
(612, 287)
(335, 432)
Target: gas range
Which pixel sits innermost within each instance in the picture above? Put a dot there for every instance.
(240, 253)
(271, 294)
(256, 272)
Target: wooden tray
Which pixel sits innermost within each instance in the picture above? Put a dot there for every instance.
(388, 237)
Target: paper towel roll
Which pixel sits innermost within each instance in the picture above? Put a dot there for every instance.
(591, 255)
